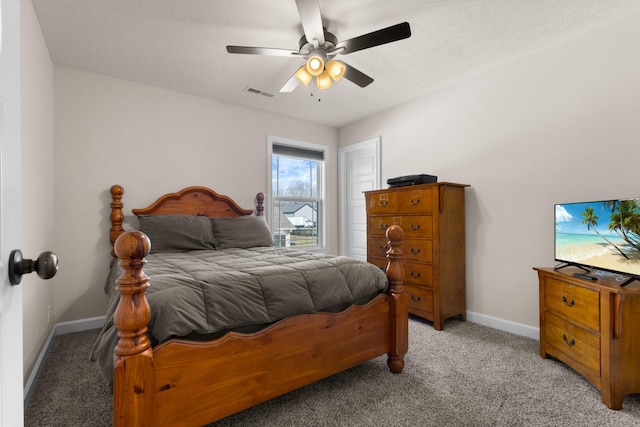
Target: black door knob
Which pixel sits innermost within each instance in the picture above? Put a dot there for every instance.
(46, 266)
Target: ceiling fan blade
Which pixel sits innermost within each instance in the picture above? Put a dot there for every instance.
(376, 38)
(290, 85)
(269, 51)
(356, 76)
(309, 11)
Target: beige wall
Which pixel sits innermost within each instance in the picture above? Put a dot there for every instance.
(37, 180)
(562, 125)
(151, 141)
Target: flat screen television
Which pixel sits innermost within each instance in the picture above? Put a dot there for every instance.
(602, 235)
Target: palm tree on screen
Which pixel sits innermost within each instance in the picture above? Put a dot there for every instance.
(591, 220)
(625, 220)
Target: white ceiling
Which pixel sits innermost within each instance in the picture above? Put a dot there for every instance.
(180, 45)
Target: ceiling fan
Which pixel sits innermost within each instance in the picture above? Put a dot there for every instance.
(319, 47)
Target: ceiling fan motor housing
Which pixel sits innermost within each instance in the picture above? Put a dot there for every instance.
(330, 42)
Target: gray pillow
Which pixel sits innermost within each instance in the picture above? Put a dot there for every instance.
(177, 233)
(242, 232)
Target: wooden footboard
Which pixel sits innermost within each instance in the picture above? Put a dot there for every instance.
(255, 368)
(195, 383)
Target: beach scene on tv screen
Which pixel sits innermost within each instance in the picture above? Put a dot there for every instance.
(604, 234)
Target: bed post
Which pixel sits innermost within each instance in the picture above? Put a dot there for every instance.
(399, 333)
(133, 356)
(260, 204)
(116, 217)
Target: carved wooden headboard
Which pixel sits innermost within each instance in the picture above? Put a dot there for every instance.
(188, 201)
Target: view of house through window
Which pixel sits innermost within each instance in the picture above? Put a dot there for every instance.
(296, 195)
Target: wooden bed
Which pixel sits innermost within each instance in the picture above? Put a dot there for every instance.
(194, 383)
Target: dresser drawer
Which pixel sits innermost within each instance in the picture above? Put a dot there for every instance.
(417, 250)
(573, 344)
(415, 200)
(382, 203)
(414, 272)
(412, 226)
(378, 224)
(420, 299)
(379, 262)
(377, 247)
(420, 250)
(578, 304)
(418, 274)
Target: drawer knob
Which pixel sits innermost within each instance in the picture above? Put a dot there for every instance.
(415, 298)
(569, 343)
(415, 274)
(383, 247)
(567, 302)
(382, 203)
(383, 226)
(415, 250)
(414, 227)
(414, 202)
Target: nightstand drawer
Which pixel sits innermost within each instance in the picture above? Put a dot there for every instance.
(573, 344)
(412, 226)
(416, 200)
(578, 304)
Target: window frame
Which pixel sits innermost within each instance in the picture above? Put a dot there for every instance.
(322, 185)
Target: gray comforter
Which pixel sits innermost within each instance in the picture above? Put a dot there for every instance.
(204, 294)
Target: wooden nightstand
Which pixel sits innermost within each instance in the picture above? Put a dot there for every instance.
(592, 326)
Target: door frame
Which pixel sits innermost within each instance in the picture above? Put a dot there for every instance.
(11, 352)
(343, 204)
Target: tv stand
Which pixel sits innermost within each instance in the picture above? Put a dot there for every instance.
(629, 280)
(591, 326)
(570, 264)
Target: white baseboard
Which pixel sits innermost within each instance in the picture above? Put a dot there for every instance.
(35, 372)
(61, 328)
(504, 325)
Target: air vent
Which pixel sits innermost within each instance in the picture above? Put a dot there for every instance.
(258, 92)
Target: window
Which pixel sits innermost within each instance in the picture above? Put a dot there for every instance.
(296, 208)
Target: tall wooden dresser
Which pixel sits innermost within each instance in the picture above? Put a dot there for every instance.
(432, 218)
(592, 327)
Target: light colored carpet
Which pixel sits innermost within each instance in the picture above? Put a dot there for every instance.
(465, 375)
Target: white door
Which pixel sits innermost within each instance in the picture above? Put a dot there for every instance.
(359, 170)
(11, 403)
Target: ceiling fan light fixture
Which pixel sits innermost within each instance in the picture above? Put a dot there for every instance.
(315, 65)
(336, 69)
(323, 80)
(303, 75)
(318, 47)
